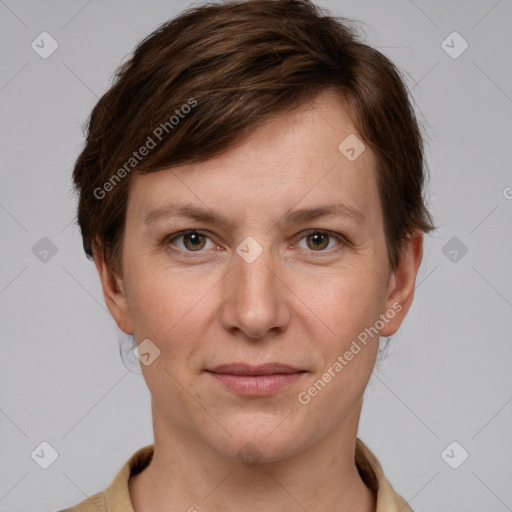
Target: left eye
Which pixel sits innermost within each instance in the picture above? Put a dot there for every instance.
(319, 240)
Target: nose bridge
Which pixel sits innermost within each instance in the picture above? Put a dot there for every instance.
(253, 295)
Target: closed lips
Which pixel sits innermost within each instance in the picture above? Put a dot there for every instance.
(249, 370)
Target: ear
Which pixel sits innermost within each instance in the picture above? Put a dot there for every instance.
(402, 284)
(113, 292)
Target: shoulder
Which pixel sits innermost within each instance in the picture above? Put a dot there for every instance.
(372, 473)
(117, 495)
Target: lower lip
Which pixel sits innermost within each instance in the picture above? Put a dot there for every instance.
(257, 385)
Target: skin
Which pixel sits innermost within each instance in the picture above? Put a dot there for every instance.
(295, 304)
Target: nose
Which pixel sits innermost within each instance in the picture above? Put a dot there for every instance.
(256, 300)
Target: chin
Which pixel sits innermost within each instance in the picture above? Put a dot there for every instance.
(260, 438)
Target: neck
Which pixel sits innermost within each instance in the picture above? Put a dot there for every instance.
(186, 474)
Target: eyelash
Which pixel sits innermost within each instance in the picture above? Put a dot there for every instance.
(190, 254)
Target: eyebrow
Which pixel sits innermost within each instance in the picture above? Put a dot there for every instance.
(206, 215)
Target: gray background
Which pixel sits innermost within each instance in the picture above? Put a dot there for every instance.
(447, 375)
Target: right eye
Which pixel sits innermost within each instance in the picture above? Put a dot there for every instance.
(193, 241)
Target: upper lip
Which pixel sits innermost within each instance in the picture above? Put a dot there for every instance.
(247, 369)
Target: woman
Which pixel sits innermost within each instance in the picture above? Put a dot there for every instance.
(251, 191)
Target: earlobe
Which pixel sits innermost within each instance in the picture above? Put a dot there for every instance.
(402, 284)
(114, 293)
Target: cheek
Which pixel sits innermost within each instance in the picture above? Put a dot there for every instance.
(343, 304)
(152, 305)
(167, 306)
(145, 296)
(348, 346)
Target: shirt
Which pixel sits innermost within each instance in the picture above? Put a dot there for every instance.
(116, 497)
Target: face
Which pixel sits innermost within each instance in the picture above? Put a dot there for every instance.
(277, 280)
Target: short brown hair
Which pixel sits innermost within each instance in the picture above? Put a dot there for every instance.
(239, 64)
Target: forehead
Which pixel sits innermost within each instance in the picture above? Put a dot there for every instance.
(304, 158)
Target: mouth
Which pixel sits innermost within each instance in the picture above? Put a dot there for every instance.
(261, 380)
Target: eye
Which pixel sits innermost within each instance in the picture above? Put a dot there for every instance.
(318, 241)
(193, 240)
